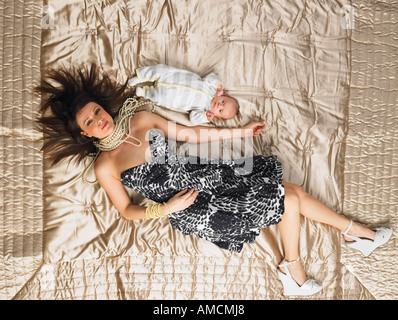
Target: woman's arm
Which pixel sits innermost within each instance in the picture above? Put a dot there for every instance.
(200, 134)
(116, 192)
(120, 199)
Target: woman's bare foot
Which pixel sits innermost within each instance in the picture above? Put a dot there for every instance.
(360, 231)
(297, 272)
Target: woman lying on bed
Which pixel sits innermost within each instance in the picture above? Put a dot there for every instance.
(226, 202)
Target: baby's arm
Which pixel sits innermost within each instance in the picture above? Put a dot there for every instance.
(215, 82)
(220, 90)
(198, 116)
(212, 80)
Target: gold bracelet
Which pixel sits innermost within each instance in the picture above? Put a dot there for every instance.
(150, 212)
(153, 211)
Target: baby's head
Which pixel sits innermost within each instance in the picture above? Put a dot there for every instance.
(224, 107)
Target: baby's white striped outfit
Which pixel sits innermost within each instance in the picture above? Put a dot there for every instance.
(178, 89)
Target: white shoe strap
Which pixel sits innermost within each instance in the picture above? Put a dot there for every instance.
(348, 229)
(286, 263)
(348, 235)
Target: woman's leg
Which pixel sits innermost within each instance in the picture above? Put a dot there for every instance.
(297, 202)
(289, 229)
(317, 211)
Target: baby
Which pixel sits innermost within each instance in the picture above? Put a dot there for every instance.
(183, 90)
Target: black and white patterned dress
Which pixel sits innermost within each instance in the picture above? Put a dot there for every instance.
(233, 203)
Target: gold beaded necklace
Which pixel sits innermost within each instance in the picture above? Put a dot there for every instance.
(120, 134)
(122, 128)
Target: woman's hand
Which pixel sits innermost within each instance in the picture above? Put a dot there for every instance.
(182, 200)
(255, 128)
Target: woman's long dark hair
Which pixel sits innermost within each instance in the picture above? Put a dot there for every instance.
(64, 92)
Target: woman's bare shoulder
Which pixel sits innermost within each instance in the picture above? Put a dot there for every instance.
(143, 121)
(142, 116)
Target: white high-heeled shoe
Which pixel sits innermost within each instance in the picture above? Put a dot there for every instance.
(367, 246)
(291, 287)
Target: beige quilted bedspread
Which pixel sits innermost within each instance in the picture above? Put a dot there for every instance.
(322, 76)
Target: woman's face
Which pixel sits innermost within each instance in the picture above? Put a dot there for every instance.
(94, 121)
